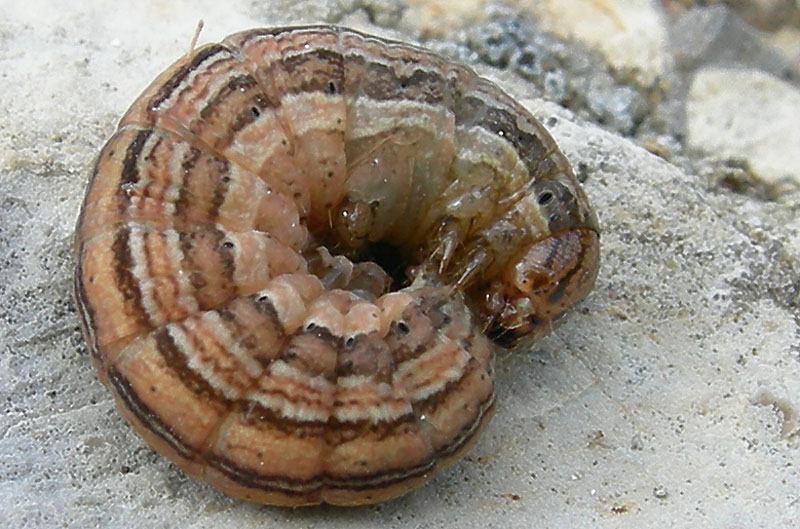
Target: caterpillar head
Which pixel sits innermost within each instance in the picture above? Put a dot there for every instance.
(539, 285)
(545, 277)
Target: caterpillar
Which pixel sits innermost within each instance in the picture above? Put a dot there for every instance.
(300, 249)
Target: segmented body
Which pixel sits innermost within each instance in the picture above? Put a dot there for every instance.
(227, 247)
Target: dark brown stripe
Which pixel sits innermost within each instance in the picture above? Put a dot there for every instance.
(226, 256)
(178, 363)
(433, 401)
(151, 167)
(145, 416)
(470, 108)
(127, 284)
(381, 479)
(319, 70)
(243, 333)
(382, 83)
(559, 291)
(197, 276)
(465, 435)
(264, 305)
(339, 432)
(372, 481)
(220, 188)
(263, 418)
(85, 311)
(130, 170)
(187, 165)
(150, 156)
(323, 333)
(200, 56)
(237, 83)
(258, 104)
(250, 480)
(334, 431)
(413, 319)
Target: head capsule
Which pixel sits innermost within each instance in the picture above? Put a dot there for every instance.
(550, 274)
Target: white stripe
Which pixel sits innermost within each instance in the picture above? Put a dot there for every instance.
(368, 117)
(256, 151)
(217, 84)
(286, 301)
(136, 247)
(147, 149)
(175, 171)
(474, 142)
(282, 369)
(205, 369)
(323, 313)
(213, 323)
(317, 386)
(307, 111)
(175, 255)
(413, 370)
(390, 405)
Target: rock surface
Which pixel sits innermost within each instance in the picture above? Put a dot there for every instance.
(763, 129)
(669, 398)
(630, 34)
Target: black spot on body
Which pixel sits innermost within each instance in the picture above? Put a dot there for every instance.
(317, 70)
(239, 83)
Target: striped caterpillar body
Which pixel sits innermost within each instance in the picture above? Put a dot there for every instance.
(301, 247)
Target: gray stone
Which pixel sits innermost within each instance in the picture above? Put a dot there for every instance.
(715, 35)
(747, 115)
(562, 72)
(630, 35)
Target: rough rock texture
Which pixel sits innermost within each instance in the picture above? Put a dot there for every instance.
(764, 129)
(630, 34)
(670, 398)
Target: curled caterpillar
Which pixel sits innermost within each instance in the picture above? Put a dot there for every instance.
(301, 247)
